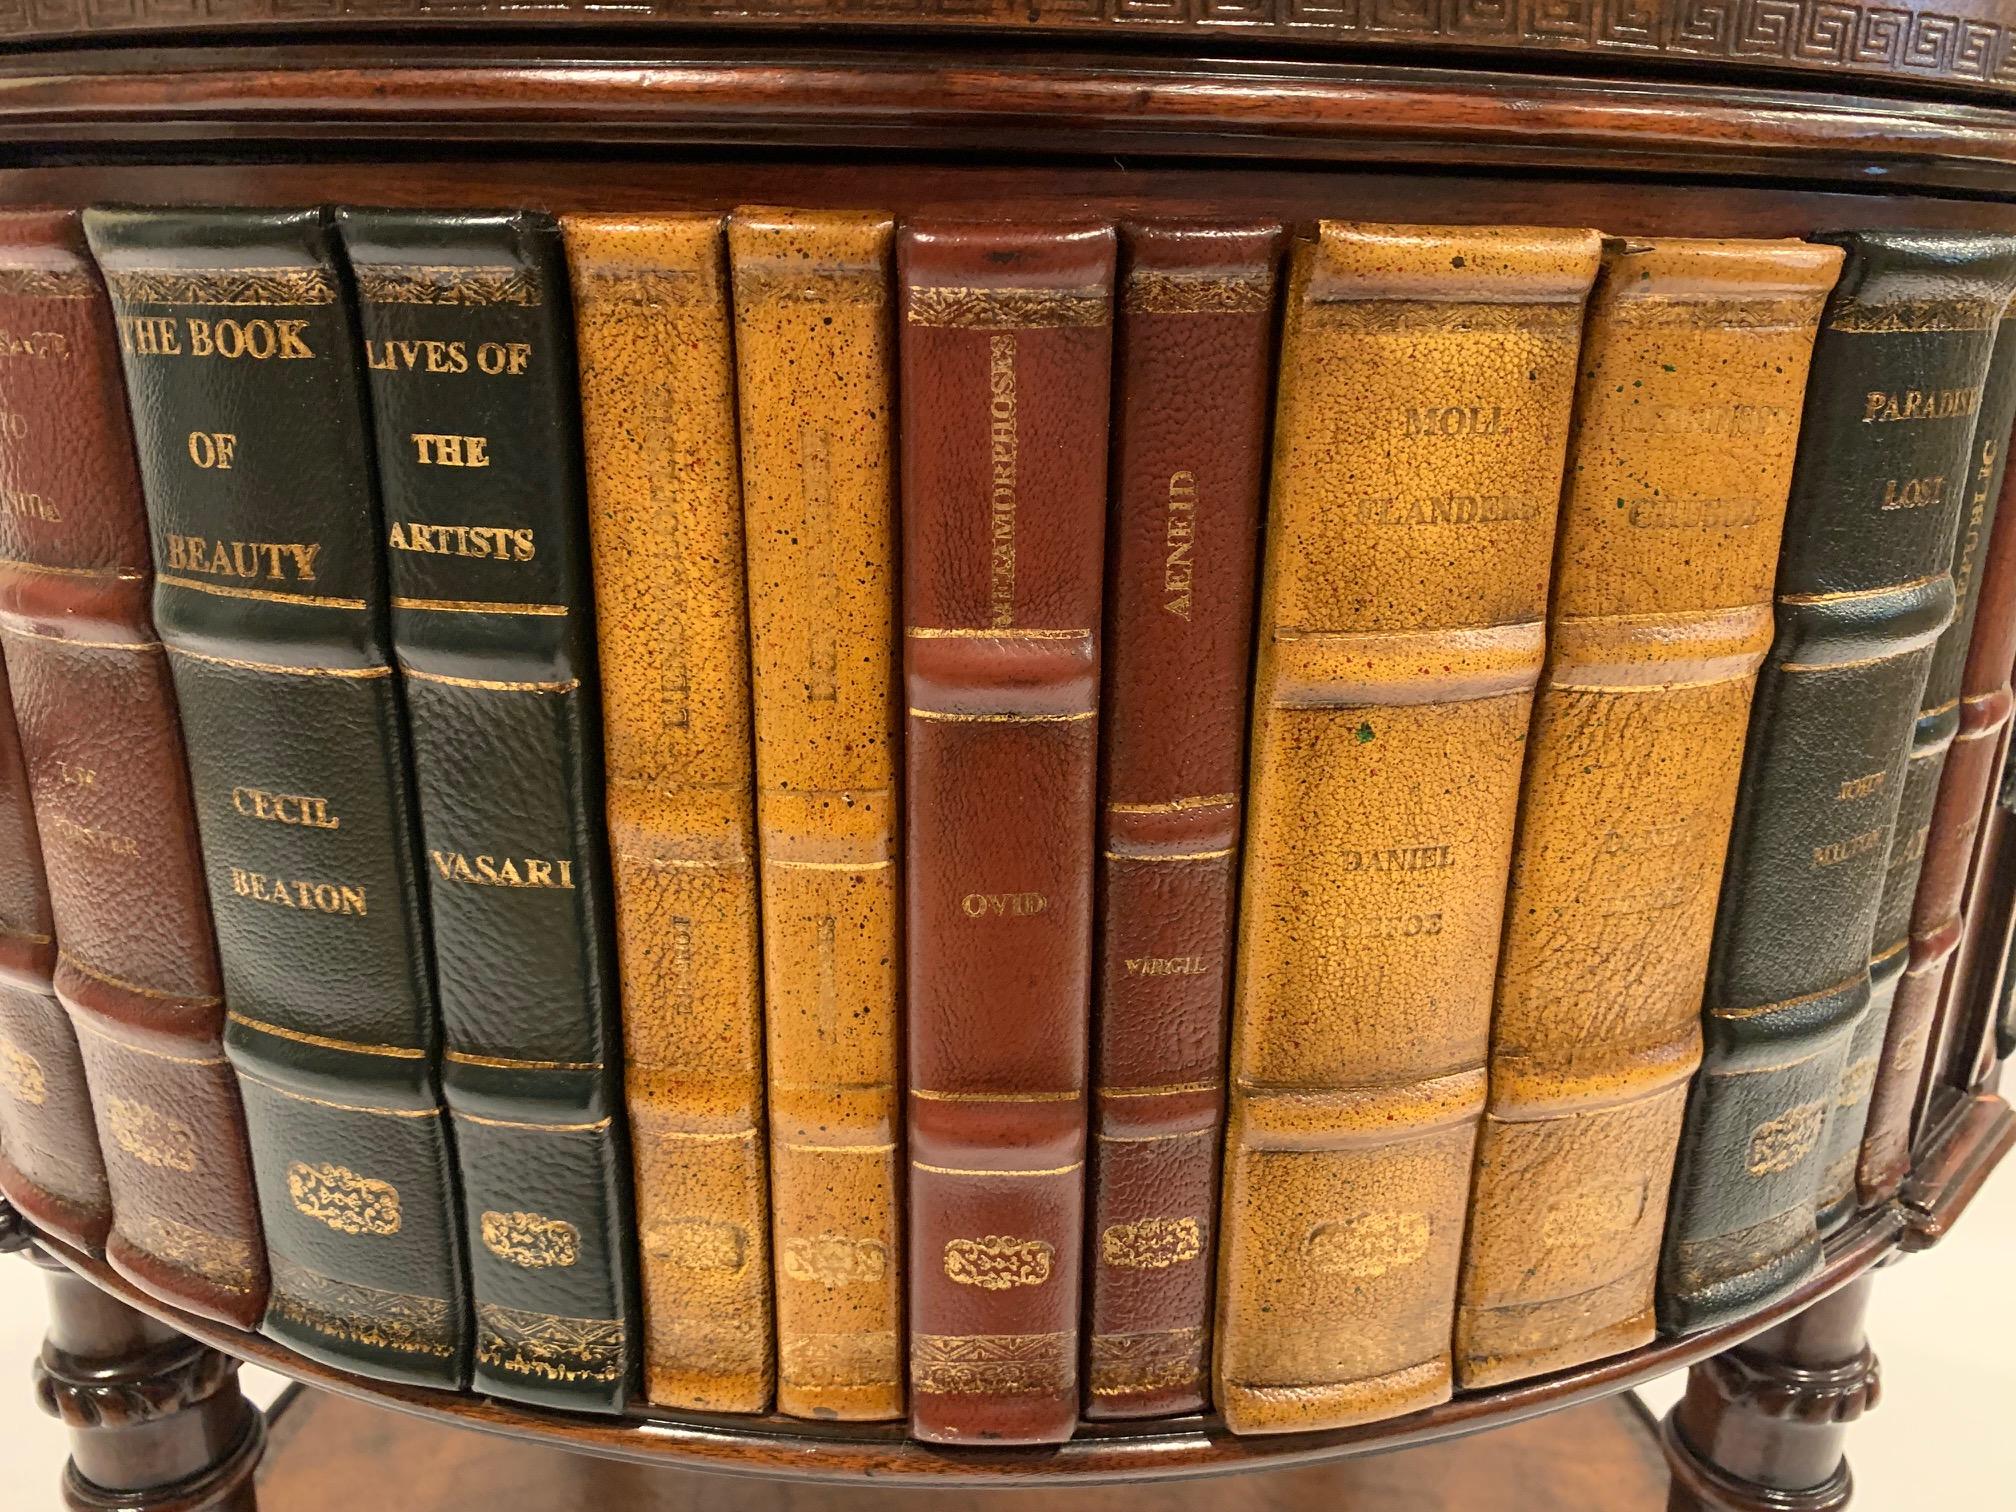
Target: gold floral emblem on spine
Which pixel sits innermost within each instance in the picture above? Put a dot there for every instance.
(1889, 316)
(993, 1364)
(999, 1262)
(149, 1135)
(218, 1259)
(1369, 1245)
(378, 1319)
(548, 1346)
(1153, 292)
(1613, 1208)
(347, 1202)
(222, 286)
(1787, 1139)
(1125, 1363)
(21, 1075)
(531, 1239)
(47, 283)
(834, 1259)
(697, 1244)
(1152, 1243)
(448, 284)
(1008, 309)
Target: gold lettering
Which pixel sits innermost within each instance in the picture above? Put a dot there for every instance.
(28, 506)
(1150, 966)
(37, 345)
(1179, 535)
(213, 449)
(13, 426)
(1835, 852)
(1446, 509)
(1021, 905)
(502, 871)
(1913, 493)
(1690, 514)
(1399, 858)
(1457, 420)
(150, 335)
(304, 809)
(502, 543)
(277, 561)
(1880, 407)
(105, 842)
(1860, 787)
(232, 339)
(451, 451)
(1002, 458)
(305, 896)
(69, 774)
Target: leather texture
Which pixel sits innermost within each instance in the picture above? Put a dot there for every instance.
(1692, 376)
(50, 1167)
(1864, 589)
(1006, 342)
(469, 351)
(249, 409)
(1427, 377)
(665, 518)
(1934, 838)
(816, 362)
(138, 967)
(56, 378)
(1194, 354)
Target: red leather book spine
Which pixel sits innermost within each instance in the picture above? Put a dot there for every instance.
(1195, 362)
(1961, 845)
(1005, 351)
(50, 1167)
(137, 971)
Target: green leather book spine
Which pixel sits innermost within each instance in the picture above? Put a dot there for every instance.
(1973, 493)
(469, 348)
(1864, 590)
(242, 367)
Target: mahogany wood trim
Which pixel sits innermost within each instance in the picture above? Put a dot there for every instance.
(1951, 1166)
(1081, 104)
(799, 1450)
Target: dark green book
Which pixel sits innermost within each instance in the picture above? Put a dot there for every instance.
(248, 407)
(468, 338)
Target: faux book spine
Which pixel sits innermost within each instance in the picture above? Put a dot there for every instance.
(665, 519)
(1693, 370)
(817, 368)
(1194, 359)
(1006, 351)
(1426, 382)
(469, 351)
(1864, 589)
(248, 405)
(63, 459)
(1918, 921)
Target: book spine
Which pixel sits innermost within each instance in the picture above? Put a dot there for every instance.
(816, 365)
(1006, 355)
(62, 446)
(50, 1166)
(1692, 375)
(1194, 356)
(1426, 383)
(665, 520)
(469, 356)
(1864, 589)
(241, 365)
(1937, 825)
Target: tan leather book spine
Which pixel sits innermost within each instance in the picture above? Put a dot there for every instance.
(1426, 382)
(815, 357)
(665, 523)
(1693, 376)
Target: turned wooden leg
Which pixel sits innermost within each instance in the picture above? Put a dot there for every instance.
(157, 1423)
(1761, 1426)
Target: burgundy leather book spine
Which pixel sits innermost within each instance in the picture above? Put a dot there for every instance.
(1194, 355)
(1006, 346)
(137, 970)
(50, 1168)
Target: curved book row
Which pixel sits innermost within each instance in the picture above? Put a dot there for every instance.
(474, 906)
